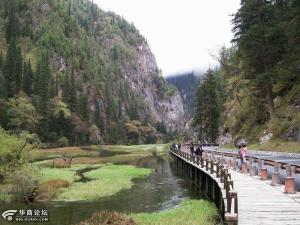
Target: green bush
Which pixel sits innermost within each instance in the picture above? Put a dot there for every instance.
(24, 182)
(62, 142)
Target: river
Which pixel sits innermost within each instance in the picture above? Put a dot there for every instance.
(163, 189)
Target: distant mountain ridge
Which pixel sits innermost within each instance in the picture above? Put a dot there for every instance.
(187, 84)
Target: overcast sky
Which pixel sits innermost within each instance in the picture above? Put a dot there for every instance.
(181, 33)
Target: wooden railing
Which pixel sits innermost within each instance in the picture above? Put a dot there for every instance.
(269, 162)
(211, 165)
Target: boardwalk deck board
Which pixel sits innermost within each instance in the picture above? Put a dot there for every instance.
(263, 204)
(259, 203)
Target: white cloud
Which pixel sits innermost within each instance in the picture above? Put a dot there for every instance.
(181, 34)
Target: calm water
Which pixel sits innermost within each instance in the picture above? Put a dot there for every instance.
(165, 188)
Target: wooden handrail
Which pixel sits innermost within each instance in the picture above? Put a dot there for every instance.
(213, 165)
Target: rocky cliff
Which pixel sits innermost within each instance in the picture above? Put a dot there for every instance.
(101, 68)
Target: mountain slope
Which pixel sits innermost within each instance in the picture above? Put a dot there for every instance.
(187, 85)
(103, 79)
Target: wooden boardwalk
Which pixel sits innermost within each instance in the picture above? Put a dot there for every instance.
(259, 203)
(263, 204)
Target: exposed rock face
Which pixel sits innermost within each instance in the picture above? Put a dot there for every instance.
(107, 60)
(225, 139)
(169, 110)
(266, 137)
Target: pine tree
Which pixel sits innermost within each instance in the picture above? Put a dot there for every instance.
(207, 115)
(10, 68)
(72, 96)
(98, 117)
(261, 42)
(44, 84)
(12, 24)
(84, 108)
(1, 62)
(19, 69)
(66, 87)
(28, 79)
(52, 91)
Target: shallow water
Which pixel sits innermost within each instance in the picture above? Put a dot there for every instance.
(163, 189)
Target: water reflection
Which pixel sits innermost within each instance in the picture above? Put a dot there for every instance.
(165, 188)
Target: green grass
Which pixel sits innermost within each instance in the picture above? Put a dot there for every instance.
(190, 212)
(47, 174)
(135, 151)
(43, 154)
(68, 174)
(107, 181)
(142, 149)
(5, 197)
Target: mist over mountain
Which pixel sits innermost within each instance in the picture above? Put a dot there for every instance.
(187, 84)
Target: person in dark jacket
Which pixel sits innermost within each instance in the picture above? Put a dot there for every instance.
(200, 150)
(192, 148)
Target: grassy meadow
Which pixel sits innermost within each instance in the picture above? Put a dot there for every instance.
(58, 181)
(105, 181)
(190, 212)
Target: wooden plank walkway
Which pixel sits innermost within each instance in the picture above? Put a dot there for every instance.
(259, 203)
(263, 204)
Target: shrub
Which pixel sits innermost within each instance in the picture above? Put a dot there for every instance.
(48, 189)
(107, 217)
(24, 183)
(60, 163)
(154, 151)
(62, 142)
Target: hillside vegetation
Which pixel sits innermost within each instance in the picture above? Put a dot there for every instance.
(73, 74)
(255, 93)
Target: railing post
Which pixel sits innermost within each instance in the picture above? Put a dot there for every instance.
(222, 174)
(211, 167)
(289, 183)
(252, 169)
(263, 174)
(231, 217)
(218, 170)
(275, 175)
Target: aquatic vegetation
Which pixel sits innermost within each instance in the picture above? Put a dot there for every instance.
(106, 181)
(43, 154)
(48, 189)
(107, 217)
(47, 174)
(190, 212)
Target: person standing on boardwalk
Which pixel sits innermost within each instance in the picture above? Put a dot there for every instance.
(200, 150)
(192, 148)
(243, 152)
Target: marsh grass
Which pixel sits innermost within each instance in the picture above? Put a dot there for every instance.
(106, 181)
(5, 197)
(48, 189)
(107, 217)
(190, 212)
(141, 149)
(47, 174)
(44, 154)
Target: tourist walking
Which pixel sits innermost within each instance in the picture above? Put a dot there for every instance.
(192, 148)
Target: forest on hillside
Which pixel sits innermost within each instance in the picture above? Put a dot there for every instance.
(187, 84)
(255, 92)
(62, 75)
